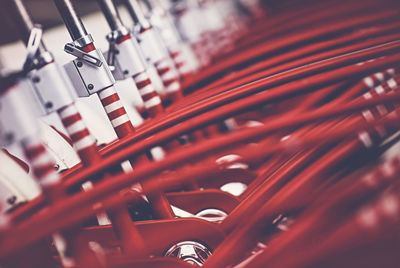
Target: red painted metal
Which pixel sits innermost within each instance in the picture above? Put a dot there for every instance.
(315, 105)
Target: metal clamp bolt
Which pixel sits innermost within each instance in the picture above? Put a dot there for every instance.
(70, 48)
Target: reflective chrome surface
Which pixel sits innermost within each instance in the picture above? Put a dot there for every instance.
(189, 251)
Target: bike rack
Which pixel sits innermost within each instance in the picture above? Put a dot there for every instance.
(269, 137)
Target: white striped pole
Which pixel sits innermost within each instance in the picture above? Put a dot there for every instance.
(116, 112)
(43, 167)
(170, 79)
(84, 143)
(151, 100)
(180, 63)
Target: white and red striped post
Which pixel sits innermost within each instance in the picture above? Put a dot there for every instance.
(116, 112)
(170, 79)
(151, 100)
(84, 143)
(154, 52)
(43, 166)
(180, 63)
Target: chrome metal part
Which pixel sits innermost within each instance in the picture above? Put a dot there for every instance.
(70, 48)
(71, 19)
(87, 78)
(189, 251)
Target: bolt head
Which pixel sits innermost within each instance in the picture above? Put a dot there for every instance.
(90, 86)
(11, 200)
(48, 105)
(79, 64)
